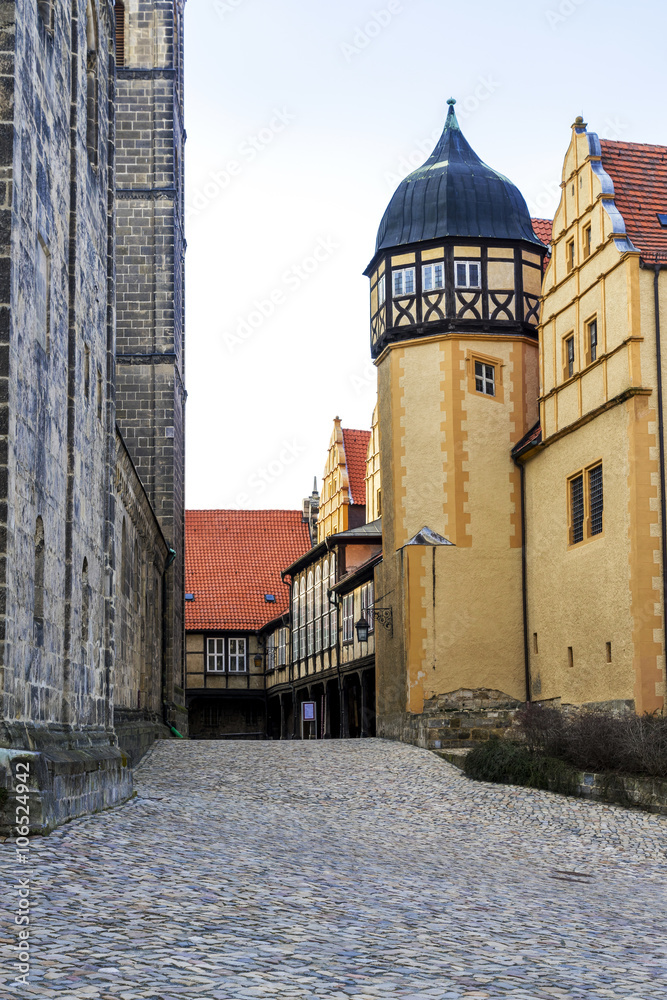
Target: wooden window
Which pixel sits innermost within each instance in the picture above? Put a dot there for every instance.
(468, 274)
(433, 276)
(215, 655)
(119, 17)
(485, 378)
(325, 604)
(569, 255)
(295, 620)
(310, 620)
(382, 290)
(585, 504)
(587, 242)
(404, 281)
(237, 656)
(333, 630)
(367, 604)
(592, 339)
(348, 618)
(318, 608)
(568, 356)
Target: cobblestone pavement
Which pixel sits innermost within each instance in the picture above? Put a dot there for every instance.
(352, 870)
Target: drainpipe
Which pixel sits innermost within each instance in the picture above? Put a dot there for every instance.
(657, 268)
(524, 590)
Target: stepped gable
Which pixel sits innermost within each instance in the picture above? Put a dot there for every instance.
(639, 173)
(232, 559)
(355, 444)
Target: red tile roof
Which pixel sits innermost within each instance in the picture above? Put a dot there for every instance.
(232, 559)
(639, 173)
(542, 229)
(356, 449)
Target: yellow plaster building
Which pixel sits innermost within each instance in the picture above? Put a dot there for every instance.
(343, 498)
(494, 601)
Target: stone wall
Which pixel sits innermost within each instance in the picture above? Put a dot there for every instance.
(150, 392)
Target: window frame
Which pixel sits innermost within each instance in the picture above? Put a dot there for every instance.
(402, 271)
(586, 532)
(570, 256)
(216, 654)
(231, 657)
(333, 614)
(468, 264)
(382, 290)
(473, 358)
(295, 619)
(587, 241)
(282, 647)
(430, 267)
(348, 619)
(567, 363)
(367, 604)
(592, 348)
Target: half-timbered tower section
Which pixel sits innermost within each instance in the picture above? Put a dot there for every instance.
(150, 394)
(454, 287)
(595, 465)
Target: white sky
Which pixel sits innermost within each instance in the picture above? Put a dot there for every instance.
(302, 117)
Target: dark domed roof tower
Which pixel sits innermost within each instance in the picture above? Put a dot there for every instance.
(452, 199)
(455, 282)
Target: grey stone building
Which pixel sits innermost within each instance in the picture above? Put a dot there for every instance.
(86, 524)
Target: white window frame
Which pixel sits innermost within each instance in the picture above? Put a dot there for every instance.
(429, 276)
(382, 290)
(333, 621)
(325, 605)
(271, 653)
(348, 618)
(484, 378)
(400, 278)
(237, 661)
(367, 602)
(318, 608)
(468, 264)
(295, 620)
(215, 654)
(302, 617)
(282, 647)
(310, 620)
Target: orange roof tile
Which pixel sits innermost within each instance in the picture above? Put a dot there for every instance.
(542, 229)
(639, 173)
(356, 448)
(232, 559)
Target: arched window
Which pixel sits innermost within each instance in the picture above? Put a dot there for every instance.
(302, 617)
(85, 604)
(38, 600)
(333, 634)
(295, 620)
(92, 104)
(310, 618)
(325, 604)
(119, 17)
(318, 608)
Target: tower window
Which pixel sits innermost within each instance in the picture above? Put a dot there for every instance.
(404, 281)
(382, 290)
(433, 276)
(468, 274)
(568, 356)
(485, 378)
(587, 242)
(585, 504)
(592, 339)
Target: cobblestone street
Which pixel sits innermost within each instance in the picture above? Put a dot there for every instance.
(352, 870)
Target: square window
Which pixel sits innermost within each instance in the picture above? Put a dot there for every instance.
(468, 274)
(485, 378)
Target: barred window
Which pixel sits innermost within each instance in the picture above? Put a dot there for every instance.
(585, 504)
(577, 509)
(595, 494)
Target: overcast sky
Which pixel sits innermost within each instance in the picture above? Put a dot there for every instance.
(302, 117)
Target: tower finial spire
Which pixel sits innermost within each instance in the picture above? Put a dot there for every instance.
(451, 100)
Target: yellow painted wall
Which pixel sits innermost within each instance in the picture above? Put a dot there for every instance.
(335, 495)
(373, 476)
